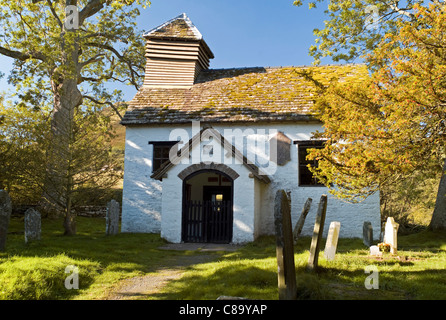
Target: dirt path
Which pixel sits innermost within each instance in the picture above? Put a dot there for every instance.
(145, 286)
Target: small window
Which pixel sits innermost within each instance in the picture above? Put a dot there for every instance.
(161, 151)
(306, 178)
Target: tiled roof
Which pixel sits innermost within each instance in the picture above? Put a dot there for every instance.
(178, 27)
(237, 95)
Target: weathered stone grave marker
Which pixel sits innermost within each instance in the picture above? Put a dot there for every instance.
(391, 234)
(33, 225)
(300, 223)
(112, 218)
(374, 251)
(284, 247)
(332, 240)
(5, 216)
(367, 233)
(317, 234)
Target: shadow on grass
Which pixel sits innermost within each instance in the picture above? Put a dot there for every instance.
(249, 272)
(238, 281)
(397, 284)
(89, 244)
(412, 275)
(37, 270)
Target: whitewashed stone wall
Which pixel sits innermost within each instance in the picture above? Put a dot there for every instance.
(141, 199)
(143, 203)
(351, 216)
(243, 229)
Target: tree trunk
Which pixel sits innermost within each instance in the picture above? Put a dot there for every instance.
(67, 98)
(70, 219)
(66, 102)
(438, 221)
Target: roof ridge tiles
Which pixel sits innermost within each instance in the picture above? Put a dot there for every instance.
(289, 66)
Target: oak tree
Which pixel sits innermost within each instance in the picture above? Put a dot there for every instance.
(69, 51)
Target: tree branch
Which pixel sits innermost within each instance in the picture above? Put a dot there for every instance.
(22, 56)
(59, 22)
(91, 60)
(92, 7)
(105, 35)
(133, 73)
(402, 11)
(106, 102)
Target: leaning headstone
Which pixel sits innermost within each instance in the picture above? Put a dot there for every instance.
(367, 233)
(112, 218)
(332, 240)
(33, 225)
(286, 273)
(300, 223)
(231, 298)
(5, 216)
(317, 234)
(391, 234)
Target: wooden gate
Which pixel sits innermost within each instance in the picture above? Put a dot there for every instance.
(207, 221)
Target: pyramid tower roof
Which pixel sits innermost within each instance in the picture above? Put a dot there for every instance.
(178, 27)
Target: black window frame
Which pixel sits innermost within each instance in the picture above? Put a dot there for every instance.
(302, 162)
(160, 153)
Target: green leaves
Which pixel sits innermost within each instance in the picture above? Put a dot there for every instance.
(105, 48)
(66, 68)
(355, 27)
(388, 125)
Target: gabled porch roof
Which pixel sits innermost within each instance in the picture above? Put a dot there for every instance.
(195, 141)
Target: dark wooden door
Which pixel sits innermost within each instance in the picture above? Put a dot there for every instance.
(207, 221)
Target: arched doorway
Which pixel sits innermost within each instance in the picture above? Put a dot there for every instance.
(207, 207)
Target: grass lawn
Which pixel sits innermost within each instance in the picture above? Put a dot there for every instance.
(37, 270)
(251, 272)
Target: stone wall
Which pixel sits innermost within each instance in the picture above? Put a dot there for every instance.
(92, 211)
(82, 211)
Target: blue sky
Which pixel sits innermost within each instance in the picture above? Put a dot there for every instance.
(241, 33)
(245, 33)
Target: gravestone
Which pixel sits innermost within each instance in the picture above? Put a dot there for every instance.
(231, 298)
(367, 233)
(33, 225)
(374, 251)
(317, 234)
(332, 240)
(5, 216)
(391, 234)
(300, 223)
(286, 273)
(112, 218)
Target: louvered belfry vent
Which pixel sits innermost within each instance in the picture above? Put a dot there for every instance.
(176, 53)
